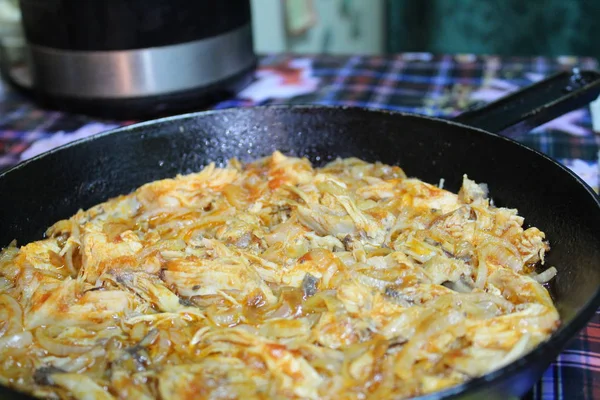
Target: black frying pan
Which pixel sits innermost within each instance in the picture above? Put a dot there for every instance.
(55, 185)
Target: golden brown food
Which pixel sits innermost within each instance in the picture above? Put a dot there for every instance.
(274, 280)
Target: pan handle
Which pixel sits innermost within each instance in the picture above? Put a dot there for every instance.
(537, 104)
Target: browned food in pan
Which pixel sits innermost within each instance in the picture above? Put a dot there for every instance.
(274, 280)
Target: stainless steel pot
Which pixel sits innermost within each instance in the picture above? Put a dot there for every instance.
(135, 57)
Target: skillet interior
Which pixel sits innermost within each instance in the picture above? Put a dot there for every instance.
(56, 185)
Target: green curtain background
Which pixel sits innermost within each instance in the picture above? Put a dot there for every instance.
(504, 27)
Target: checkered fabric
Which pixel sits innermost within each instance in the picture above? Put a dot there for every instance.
(427, 84)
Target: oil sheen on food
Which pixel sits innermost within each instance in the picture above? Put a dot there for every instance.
(274, 279)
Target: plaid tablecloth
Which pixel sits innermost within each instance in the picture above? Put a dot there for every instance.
(422, 83)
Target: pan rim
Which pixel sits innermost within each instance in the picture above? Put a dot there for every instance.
(557, 340)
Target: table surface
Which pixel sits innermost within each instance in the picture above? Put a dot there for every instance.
(440, 85)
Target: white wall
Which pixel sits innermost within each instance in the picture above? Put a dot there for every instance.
(268, 26)
(270, 34)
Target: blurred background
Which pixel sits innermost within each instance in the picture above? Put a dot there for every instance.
(503, 27)
(482, 50)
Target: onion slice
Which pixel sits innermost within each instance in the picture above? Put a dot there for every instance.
(56, 347)
(15, 314)
(16, 341)
(546, 276)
